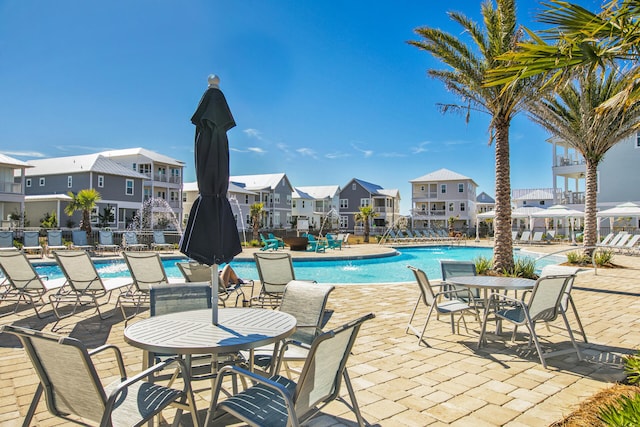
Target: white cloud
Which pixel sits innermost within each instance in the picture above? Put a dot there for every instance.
(393, 154)
(421, 148)
(253, 133)
(336, 155)
(256, 150)
(306, 152)
(366, 153)
(24, 153)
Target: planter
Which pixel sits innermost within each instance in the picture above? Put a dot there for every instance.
(296, 243)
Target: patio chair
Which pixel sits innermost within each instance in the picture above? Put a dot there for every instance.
(514, 236)
(23, 283)
(606, 239)
(550, 236)
(543, 305)
(451, 304)
(72, 388)
(537, 237)
(280, 401)
(146, 269)
(196, 272)
(275, 271)
(79, 241)
(268, 244)
(130, 242)
(6, 240)
(54, 242)
(631, 246)
(461, 268)
(31, 242)
(306, 302)
(159, 242)
(83, 284)
(525, 238)
(105, 242)
(333, 242)
(271, 236)
(345, 239)
(567, 299)
(315, 245)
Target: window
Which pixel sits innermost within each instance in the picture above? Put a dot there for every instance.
(173, 196)
(42, 182)
(69, 182)
(344, 203)
(638, 140)
(288, 199)
(364, 202)
(147, 194)
(422, 188)
(303, 204)
(28, 182)
(541, 202)
(294, 203)
(135, 166)
(161, 195)
(145, 168)
(460, 188)
(128, 190)
(276, 198)
(461, 207)
(443, 188)
(450, 207)
(344, 221)
(184, 197)
(353, 186)
(424, 207)
(100, 181)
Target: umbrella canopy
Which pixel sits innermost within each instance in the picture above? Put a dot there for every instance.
(624, 209)
(558, 211)
(211, 236)
(521, 212)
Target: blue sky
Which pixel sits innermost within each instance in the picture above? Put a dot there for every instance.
(324, 91)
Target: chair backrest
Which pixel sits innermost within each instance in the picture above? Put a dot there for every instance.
(79, 237)
(306, 302)
(173, 298)
(130, 237)
(31, 239)
(79, 270)
(105, 237)
(426, 292)
(66, 372)
(54, 237)
(194, 271)
(274, 269)
(546, 297)
(6, 239)
(18, 270)
(158, 237)
(146, 269)
(323, 369)
(607, 239)
(457, 268)
(632, 241)
(537, 236)
(526, 236)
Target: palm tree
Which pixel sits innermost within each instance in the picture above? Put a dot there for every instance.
(365, 214)
(255, 212)
(573, 116)
(84, 201)
(468, 65)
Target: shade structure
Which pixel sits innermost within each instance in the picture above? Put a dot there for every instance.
(559, 211)
(211, 236)
(624, 209)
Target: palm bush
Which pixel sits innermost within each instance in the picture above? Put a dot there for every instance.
(626, 410)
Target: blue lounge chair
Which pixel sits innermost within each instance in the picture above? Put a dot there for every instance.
(333, 242)
(31, 243)
(279, 240)
(268, 243)
(6, 241)
(315, 245)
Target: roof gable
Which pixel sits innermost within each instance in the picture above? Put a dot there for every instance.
(259, 182)
(79, 164)
(443, 175)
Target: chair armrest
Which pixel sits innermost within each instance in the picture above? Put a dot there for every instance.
(146, 373)
(118, 355)
(502, 297)
(456, 291)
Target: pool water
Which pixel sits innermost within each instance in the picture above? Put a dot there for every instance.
(375, 270)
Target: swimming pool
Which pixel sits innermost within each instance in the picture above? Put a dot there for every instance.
(375, 270)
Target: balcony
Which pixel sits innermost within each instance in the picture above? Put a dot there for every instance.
(571, 198)
(10, 188)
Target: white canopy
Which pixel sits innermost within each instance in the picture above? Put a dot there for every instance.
(522, 212)
(624, 209)
(559, 211)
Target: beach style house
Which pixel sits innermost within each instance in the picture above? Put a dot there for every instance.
(358, 193)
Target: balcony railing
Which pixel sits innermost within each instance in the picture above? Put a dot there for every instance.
(10, 187)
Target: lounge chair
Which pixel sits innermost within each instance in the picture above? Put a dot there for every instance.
(275, 271)
(306, 302)
(632, 245)
(451, 303)
(196, 272)
(621, 243)
(72, 388)
(279, 240)
(525, 238)
(514, 236)
(333, 242)
(79, 241)
(130, 242)
(269, 244)
(280, 401)
(614, 241)
(105, 242)
(6, 240)
(54, 242)
(31, 243)
(83, 284)
(146, 269)
(315, 245)
(159, 242)
(606, 239)
(537, 237)
(544, 304)
(23, 283)
(550, 236)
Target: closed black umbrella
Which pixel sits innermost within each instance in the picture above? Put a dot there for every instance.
(211, 236)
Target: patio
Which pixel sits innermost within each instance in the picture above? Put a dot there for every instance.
(398, 383)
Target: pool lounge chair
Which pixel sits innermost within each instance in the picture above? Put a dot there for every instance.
(72, 387)
(54, 242)
(23, 283)
(316, 245)
(525, 238)
(269, 244)
(271, 236)
(31, 243)
(193, 271)
(537, 237)
(275, 271)
(606, 240)
(6, 240)
(84, 284)
(105, 242)
(130, 242)
(79, 241)
(333, 242)
(159, 242)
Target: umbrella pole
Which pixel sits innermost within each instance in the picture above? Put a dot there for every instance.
(214, 293)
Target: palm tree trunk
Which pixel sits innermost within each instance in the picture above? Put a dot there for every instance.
(590, 219)
(503, 246)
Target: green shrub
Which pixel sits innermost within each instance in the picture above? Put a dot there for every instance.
(603, 257)
(483, 264)
(523, 267)
(632, 368)
(625, 411)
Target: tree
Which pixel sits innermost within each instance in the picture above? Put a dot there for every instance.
(84, 201)
(365, 214)
(572, 115)
(465, 77)
(255, 212)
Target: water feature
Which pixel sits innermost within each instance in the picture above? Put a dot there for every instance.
(373, 270)
(155, 213)
(234, 200)
(331, 215)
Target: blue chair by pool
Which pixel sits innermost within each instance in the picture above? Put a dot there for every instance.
(315, 245)
(6, 241)
(333, 242)
(31, 243)
(268, 243)
(280, 241)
